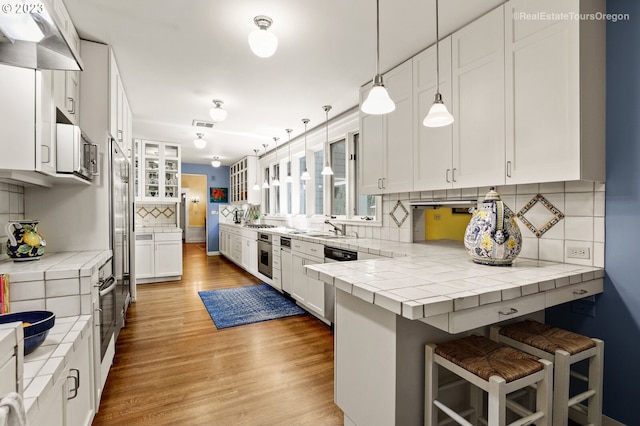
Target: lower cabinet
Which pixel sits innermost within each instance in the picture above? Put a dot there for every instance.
(286, 273)
(306, 290)
(158, 255)
(250, 254)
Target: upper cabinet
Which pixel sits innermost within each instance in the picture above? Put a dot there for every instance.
(105, 109)
(555, 93)
(242, 177)
(160, 173)
(387, 140)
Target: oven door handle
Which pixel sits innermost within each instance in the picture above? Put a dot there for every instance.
(110, 288)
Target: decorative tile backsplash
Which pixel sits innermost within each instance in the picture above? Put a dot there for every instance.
(552, 213)
(11, 208)
(151, 215)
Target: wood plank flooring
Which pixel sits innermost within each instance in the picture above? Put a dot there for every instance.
(173, 367)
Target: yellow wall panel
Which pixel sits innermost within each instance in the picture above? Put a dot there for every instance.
(443, 224)
(197, 185)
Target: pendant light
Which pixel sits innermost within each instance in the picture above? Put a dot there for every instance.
(327, 171)
(216, 113)
(262, 42)
(265, 184)
(276, 181)
(289, 179)
(305, 175)
(256, 187)
(216, 162)
(378, 101)
(438, 115)
(200, 143)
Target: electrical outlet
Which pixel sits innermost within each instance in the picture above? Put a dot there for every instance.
(578, 252)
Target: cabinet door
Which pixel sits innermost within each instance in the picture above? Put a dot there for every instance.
(46, 122)
(51, 409)
(253, 255)
(315, 291)
(17, 118)
(79, 385)
(478, 102)
(72, 95)
(299, 285)
(287, 270)
(398, 131)
(114, 81)
(145, 258)
(246, 254)
(542, 94)
(371, 150)
(170, 176)
(151, 171)
(432, 150)
(168, 258)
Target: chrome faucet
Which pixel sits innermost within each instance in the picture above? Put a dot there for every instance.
(338, 229)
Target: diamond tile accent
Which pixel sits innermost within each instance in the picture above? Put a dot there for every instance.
(557, 215)
(142, 212)
(225, 211)
(399, 213)
(155, 212)
(168, 212)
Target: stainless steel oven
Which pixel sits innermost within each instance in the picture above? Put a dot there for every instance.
(107, 299)
(265, 266)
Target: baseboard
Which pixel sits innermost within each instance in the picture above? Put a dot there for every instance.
(213, 253)
(157, 280)
(580, 418)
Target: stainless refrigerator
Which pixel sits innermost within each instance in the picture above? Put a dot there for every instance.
(121, 223)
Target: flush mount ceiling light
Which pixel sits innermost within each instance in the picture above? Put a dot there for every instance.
(262, 42)
(265, 184)
(327, 171)
(305, 175)
(200, 143)
(216, 162)
(216, 113)
(378, 101)
(289, 179)
(256, 187)
(276, 181)
(438, 115)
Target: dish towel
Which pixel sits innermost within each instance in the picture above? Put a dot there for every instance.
(12, 411)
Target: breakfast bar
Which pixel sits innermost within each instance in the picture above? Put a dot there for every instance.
(387, 309)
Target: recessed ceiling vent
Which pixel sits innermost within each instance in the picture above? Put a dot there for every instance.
(202, 123)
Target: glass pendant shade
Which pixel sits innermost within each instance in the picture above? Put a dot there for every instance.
(216, 162)
(265, 185)
(276, 182)
(256, 187)
(327, 171)
(288, 179)
(216, 113)
(438, 115)
(200, 143)
(378, 101)
(305, 175)
(262, 42)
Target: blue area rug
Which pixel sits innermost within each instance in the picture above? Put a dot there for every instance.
(231, 307)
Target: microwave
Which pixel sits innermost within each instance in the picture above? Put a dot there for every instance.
(75, 154)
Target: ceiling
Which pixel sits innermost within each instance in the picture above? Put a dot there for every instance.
(176, 56)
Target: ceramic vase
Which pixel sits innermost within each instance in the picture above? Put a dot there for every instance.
(492, 236)
(25, 242)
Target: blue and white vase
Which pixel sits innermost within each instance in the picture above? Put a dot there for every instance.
(492, 236)
(25, 241)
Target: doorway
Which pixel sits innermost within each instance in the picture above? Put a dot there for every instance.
(184, 212)
(195, 205)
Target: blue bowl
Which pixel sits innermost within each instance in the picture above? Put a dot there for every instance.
(34, 333)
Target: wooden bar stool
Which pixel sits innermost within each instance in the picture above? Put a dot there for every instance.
(565, 349)
(494, 368)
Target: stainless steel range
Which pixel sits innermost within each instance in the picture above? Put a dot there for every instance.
(259, 226)
(265, 266)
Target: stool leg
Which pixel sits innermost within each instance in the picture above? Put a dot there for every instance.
(497, 413)
(476, 403)
(596, 366)
(544, 394)
(430, 386)
(561, 388)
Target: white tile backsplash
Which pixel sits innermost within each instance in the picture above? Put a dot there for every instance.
(551, 187)
(578, 228)
(598, 204)
(552, 250)
(598, 229)
(578, 186)
(11, 208)
(579, 204)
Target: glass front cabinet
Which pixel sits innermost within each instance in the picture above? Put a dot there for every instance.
(158, 180)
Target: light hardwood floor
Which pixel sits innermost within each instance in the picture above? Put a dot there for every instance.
(173, 367)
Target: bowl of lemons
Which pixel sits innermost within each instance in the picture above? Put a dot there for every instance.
(36, 326)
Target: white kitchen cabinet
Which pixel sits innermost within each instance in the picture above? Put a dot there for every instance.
(80, 408)
(286, 262)
(555, 93)
(66, 94)
(160, 172)
(306, 290)
(51, 408)
(236, 248)
(250, 251)
(168, 256)
(385, 162)
(242, 175)
(145, 256)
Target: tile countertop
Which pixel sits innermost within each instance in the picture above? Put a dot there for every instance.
(61, 265)
(157, 229)
(443, 279)
(43, 367)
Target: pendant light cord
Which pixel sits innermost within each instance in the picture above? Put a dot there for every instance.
(437, 53)
(377, 37)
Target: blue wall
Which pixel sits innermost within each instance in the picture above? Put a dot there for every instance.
(617, 319)
(216, 177)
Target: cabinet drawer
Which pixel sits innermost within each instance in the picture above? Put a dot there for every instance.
(468, 319)
(144, 237)
(573, 292)
(276, 262)
(168, 236)
(305, 247)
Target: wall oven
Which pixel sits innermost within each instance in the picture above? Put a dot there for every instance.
(107, 302)
(265, 266)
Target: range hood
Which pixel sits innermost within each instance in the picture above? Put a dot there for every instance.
(32, 35)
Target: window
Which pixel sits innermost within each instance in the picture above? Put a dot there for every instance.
(303, 189)
(276, 189)
(267, 204)
(318, 179)
(289, 188)
(339, 178)
(365, 205)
